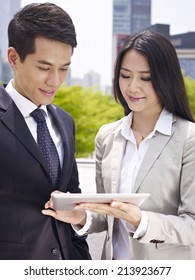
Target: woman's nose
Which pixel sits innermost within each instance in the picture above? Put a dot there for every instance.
(133, 85)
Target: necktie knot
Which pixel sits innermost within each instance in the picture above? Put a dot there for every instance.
(38, 115)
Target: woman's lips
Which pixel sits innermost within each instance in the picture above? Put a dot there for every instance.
(135, 99)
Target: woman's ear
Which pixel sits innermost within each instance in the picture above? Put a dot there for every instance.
(13, 57)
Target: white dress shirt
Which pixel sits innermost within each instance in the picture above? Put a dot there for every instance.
(26, 107)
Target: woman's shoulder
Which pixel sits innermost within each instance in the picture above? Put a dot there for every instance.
(185, 127)
(111, 127)
(183, 122)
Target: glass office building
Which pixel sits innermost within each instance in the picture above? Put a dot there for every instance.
(8, 9)
(131, 15)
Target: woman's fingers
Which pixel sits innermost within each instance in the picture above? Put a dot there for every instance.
(126, 211)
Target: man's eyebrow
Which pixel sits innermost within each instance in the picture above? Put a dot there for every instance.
(50, 64)
(144, 71)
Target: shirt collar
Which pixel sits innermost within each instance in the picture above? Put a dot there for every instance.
(163, 124)
(24, 105)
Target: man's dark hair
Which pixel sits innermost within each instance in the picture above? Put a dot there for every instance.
(40, 19)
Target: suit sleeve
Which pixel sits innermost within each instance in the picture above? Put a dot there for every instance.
(99, 222)
(180, 228)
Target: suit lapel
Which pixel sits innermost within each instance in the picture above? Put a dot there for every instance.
(156, 147)
(65, 174)
(118, 149)
(15, 122)
(21, 131)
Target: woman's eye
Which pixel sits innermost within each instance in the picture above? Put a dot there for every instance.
(146, 79)
(124, 76)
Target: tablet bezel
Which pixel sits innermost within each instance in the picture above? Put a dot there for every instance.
(67, 201)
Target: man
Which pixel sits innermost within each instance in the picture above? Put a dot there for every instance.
(41, 42)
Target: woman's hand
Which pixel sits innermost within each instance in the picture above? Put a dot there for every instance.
(76, 217)
(126, 211)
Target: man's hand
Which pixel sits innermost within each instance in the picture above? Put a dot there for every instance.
(75, 217)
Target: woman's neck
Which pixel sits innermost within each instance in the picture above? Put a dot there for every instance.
(143, 124)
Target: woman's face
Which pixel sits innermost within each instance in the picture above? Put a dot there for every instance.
(135, 83)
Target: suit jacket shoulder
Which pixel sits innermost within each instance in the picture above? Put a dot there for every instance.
(110, 129)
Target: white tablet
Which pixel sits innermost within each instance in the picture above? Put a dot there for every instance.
(67, 201)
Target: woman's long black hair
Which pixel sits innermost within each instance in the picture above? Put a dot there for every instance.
(166, 74)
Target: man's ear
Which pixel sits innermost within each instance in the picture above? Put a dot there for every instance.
(13, 57)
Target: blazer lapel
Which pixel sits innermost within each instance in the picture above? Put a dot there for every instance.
(15, 122)
(118, 149)
(156, 147)
(66, 145)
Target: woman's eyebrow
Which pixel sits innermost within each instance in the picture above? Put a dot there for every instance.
(142, 71)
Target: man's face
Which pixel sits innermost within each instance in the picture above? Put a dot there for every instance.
(39, 76)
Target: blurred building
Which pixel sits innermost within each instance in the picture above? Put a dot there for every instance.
(161, 28)
(185, 47)
(1, 67)
(8, 9)
(128, 16)
(90, 79)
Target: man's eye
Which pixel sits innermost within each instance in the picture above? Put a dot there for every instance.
(43, 69)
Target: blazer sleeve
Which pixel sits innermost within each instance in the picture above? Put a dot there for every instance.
(99, 222)
(180, 228)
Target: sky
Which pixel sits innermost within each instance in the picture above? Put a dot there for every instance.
(93, 23)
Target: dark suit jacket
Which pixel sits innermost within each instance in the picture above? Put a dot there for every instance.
(25, 186)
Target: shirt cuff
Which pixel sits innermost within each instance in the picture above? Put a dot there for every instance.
(141, 229)
(83, 230)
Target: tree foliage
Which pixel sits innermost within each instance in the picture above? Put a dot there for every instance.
(90, 109)
(190, 88)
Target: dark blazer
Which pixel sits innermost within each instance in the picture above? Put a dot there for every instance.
(25, 186)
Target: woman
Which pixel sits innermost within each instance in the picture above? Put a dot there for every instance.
(150, 150)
